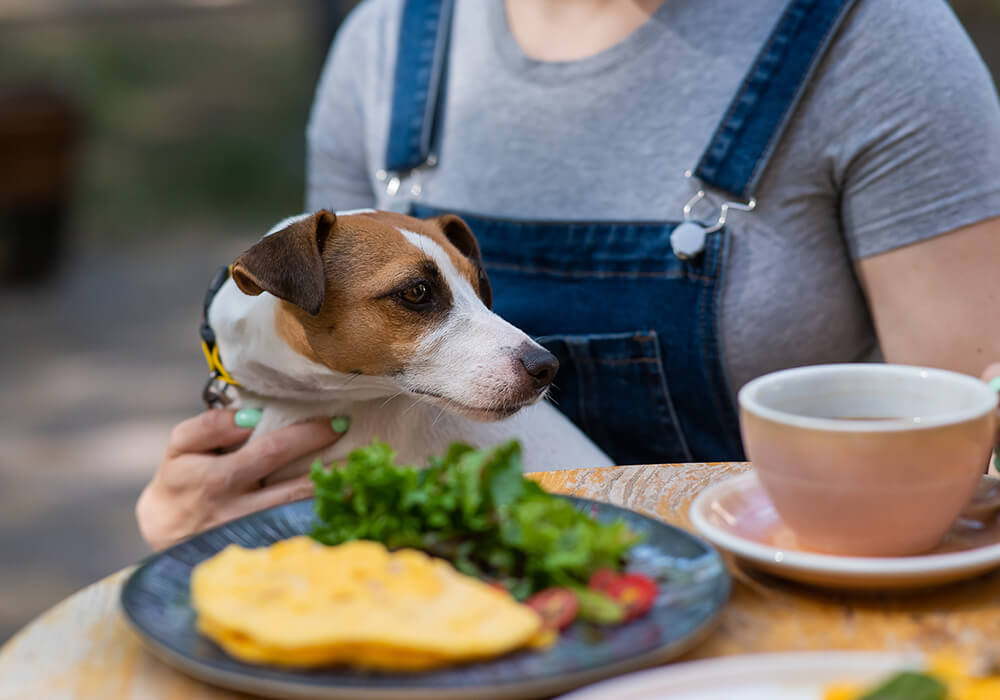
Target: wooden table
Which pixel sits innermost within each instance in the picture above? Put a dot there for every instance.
(82, 648)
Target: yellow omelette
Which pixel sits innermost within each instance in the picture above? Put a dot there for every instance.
(301, 603)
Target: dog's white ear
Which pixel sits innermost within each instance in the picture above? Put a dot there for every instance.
(460, 235)
(289, 263)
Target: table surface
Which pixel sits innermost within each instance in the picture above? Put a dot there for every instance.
(82, 648)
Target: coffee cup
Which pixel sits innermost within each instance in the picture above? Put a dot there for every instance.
(868, 459)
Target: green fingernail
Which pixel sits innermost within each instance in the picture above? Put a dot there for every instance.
(340, 424)
(247, 417)
(995, 383)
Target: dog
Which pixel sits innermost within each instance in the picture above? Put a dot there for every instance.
(385, 318)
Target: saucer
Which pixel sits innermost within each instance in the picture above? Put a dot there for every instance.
(737, 516)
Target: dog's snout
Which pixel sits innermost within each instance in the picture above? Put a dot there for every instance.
(540, 364)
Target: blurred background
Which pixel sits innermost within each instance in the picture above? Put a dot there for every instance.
(142, 144)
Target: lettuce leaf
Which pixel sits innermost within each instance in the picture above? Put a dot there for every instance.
(473, 507)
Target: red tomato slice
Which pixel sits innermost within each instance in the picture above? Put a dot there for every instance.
(636, 592)
(557, 606)
(602, 579)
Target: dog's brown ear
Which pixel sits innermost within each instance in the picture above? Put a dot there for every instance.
(460, 236)
(289, 263)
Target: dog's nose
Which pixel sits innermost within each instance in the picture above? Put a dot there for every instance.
(540, 364)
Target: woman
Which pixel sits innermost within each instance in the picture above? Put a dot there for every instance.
(865, 136)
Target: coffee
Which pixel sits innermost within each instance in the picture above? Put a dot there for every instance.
(909, 419)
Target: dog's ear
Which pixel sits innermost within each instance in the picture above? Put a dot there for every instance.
(460, 235)
(289, 263)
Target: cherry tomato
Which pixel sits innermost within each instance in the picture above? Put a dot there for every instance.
(602, 579)
(557, 606)
(636, 592)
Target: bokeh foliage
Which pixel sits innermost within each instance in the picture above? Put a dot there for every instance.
(194, 120)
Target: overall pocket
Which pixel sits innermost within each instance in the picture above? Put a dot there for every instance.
(614, 387)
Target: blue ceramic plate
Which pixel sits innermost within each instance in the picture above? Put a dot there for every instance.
(156, 602)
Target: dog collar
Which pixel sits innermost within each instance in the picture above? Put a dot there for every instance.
(216, 392)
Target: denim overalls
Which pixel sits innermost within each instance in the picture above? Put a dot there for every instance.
(630, 308)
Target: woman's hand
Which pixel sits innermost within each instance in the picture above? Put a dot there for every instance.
(196, 488)
(992, 375)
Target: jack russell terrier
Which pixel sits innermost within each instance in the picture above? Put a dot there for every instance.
(384, 318)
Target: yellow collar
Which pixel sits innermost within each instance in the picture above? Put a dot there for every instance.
(214, 394)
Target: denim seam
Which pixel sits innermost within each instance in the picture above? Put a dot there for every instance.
(438, 77)
(420, 61)
(582, 379)
(721, 142)
(723, 404)
(599, 274)
(732, 414)
(756, 93)
(789, 110)
(626, 361)
(668, 399)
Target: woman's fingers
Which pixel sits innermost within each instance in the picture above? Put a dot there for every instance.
(195, 487)
(992, 372)
(262, 456)
(278, 494)
(207, 431)
(992, 375)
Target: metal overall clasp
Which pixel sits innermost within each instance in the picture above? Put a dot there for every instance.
(688, 239)
(403, 188)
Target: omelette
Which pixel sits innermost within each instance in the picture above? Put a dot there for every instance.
(299, 603)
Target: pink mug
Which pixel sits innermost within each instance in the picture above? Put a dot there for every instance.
(868, 459)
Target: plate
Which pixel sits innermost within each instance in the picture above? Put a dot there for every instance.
(793, 676)
(737, 516)
(156, 603)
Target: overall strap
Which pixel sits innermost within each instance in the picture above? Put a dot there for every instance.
(420, 69)
(753, 124)
(742, 143)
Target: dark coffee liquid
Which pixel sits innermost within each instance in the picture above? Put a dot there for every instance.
(872, 418)
(910, 419)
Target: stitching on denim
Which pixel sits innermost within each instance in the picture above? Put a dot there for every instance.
(422, 64)
(712, 360)
(669, 400)
(727, 140)
(625, 361)
(717, 149)
(580, 365)
(584, 357)
(597, 274)
(705, 356)
(770, 66)
(747, 103)
(728, 395)
(803, 85)
(438, 68)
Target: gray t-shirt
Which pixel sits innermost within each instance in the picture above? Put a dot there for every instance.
(896, 140)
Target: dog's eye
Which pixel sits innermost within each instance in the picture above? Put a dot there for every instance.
(416, 295)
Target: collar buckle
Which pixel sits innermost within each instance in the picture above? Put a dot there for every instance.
(216, 392)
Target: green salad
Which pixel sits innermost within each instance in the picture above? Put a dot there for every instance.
(472, 507)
